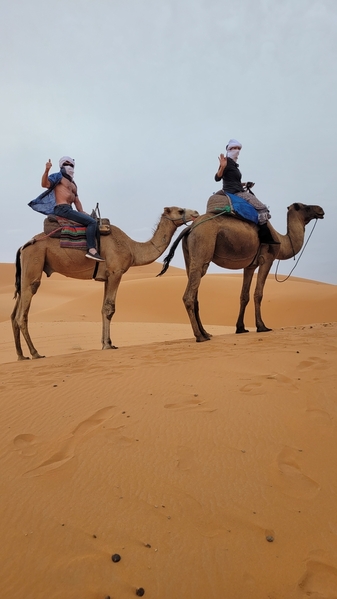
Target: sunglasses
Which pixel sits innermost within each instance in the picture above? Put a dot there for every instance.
(68, 164)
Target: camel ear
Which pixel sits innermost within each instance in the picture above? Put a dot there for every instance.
(167, 210)
(296, 206)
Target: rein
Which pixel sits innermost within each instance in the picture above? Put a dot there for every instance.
(209, 218)
(34, 239)
(298, 259)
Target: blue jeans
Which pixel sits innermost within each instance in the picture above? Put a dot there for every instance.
(66, 211)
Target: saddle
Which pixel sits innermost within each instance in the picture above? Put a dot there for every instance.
(54, 225)
(232, 205)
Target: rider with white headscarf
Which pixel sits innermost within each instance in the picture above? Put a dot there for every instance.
(230, 175)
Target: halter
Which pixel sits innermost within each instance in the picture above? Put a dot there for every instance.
(298, 259)
(174, 220)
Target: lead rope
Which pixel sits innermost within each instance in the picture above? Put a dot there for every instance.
(298, 259)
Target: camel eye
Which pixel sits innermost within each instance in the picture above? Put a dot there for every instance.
(181, 211)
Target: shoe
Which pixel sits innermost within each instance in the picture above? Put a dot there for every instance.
(265, 235)
(95, 256)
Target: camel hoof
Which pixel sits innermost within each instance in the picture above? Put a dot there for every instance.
(20, 358)
(202, 339)
(263, 330)
(109, 347)
(37, 356)
(238, 331)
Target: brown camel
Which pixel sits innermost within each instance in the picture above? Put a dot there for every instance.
(233, 243)
(44, 254)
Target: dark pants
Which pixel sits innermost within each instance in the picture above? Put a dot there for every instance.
(66, 211)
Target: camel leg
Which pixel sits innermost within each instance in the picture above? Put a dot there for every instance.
(244, 298)
(258, 295)
(109, 307)
(206, 336)
(197, 317)
(19, 319)
(190, 300)
(16, 331)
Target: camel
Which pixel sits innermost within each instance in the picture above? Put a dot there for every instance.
(234, 244)
(44, 254)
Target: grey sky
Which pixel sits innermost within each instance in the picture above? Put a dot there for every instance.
(146, 94)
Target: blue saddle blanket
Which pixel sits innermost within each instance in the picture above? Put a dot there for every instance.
(243, 208)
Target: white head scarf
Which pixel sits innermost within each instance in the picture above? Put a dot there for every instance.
(69, 169)
(234, 154)
(66, 159)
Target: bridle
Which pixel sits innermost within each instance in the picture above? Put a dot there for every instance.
(174, 220)
(294, 254)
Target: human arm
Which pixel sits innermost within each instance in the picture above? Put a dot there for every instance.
(45, 181)
(78, 204)
(222, 166)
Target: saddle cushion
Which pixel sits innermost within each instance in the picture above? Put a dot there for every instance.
(71, 234)
(219, 203)
(231, 204)
(52, 225)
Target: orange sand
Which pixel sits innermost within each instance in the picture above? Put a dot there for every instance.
(182, 458)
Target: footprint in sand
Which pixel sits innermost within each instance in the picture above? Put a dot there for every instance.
(287, 475)
(253, 388)
(320, 416)
(260, 385)
(185, 458)
(190, 404)
(314, 363)
(319, 580)
(68, 446)
(25, 444)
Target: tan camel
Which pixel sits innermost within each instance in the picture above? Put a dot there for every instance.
(233, 243)
(120, 252)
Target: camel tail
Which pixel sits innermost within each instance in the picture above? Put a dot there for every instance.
(18, 273)
(168, 258)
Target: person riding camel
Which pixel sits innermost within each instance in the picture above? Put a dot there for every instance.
(58, 199)
(230, 174)
(66, 195)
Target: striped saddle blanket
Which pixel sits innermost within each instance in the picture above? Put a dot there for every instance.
(71, 234)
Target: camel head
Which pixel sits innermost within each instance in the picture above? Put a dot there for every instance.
(180, 216)
(306, 212)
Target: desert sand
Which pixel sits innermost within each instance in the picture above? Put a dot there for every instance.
(210, 468)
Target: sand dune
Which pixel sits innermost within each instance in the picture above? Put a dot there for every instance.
(209, 468)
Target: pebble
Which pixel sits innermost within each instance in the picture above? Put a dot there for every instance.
(140, 592)
(270, 539)
(116, 557)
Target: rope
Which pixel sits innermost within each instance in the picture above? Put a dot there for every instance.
(48, 234)
(298, 259)
(209, 218)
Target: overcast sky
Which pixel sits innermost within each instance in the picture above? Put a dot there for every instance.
(145, 94)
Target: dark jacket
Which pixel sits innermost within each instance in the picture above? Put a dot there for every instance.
(231, 177)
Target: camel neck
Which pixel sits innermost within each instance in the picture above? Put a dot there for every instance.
(149, 251)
